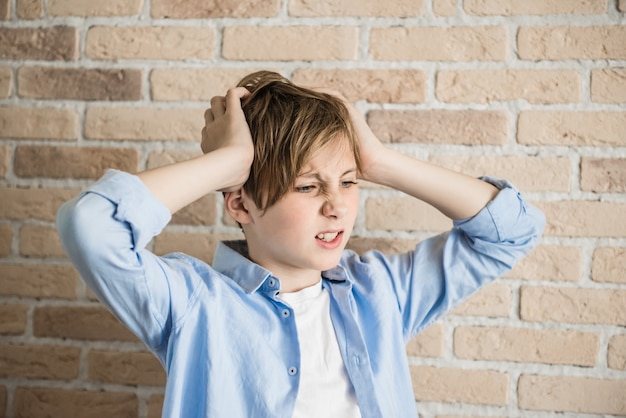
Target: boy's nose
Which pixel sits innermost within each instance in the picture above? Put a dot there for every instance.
(335, 206)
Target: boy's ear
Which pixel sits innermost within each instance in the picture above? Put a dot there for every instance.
(236, 205)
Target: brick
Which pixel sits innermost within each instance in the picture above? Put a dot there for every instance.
(161, 158)
(198, 9)
(526, 345)
(155, 406)
(199, 245)
(552, 263)
(198, 84)
(480, 387)
(4, 161)
(58, 43)
(444, 8)
(616, 357)
(29, 9)
(6, 239)
(38, 123)
(603, 175)
(88, 9)
(72, 162)
(40, 241)
(572, 394)
(585, 128)
(384, 245)
(201, 212)
(571, 42)
(20, 204)
(3, 401)
(79, 83)
(480, 43)
(493, 300)
(376, 86)
(608, 85)
(306, 43)
(125, 368)
(39, 361)
(6, 82)
(428, 343)
(52, 402)
(573, 305)
(609, 265)
(463, 127)
(79, 323)
(403, 213)
(13, 319)
(533, 7)
(584, 218)
(150, 42)
(548, 173)
(38, 281)
(129, 123)
(486, 86)
(5, 9)
(369, 8)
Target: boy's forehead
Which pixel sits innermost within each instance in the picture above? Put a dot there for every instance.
(332, 156)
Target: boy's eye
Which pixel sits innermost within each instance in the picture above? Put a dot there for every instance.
(305, 189)
(348, 183)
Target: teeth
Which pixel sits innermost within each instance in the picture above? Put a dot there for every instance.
(328, 237)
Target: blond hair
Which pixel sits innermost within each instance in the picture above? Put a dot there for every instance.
(289, 124)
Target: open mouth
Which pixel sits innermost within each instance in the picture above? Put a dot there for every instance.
(329, 236)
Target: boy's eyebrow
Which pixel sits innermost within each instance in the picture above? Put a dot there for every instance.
(317, 176)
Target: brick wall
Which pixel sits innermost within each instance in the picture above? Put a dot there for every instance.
(533, 90)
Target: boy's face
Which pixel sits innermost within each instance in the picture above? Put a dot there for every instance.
(306, 231)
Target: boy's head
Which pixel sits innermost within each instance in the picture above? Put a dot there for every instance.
(289, 124)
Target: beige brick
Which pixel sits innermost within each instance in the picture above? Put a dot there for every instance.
(584, 218)
(29, 9)
(550, 262)
(428, 343)
(533, 7)
(51, 402)
(13, 319)
(6, 82)
(403, 213)
(526, 345)
(363, 8)
(4, 160)
(124, 368)
(572, 394)
(72, 162)
(199, 245)
(79, 323)
(201, 212)
(572, 42)
(150, 42)
(88, 9)
(609, 265)
(548, 173)
(444, 8)
(39, 361)
(466, 127)
(198, 9)
(585, 128)
(479, 43)
(608, 85)
(58, 43)
(20, 204)
(5, 14)
(6, 238)
(376, 86)
(616, 357)
(199, 84)
(38, 281)
(79, 83)
(161, 158)
(493, 300)
(38, 123)
(481, 387)
(307, 43)
(40, 241)
(486, 86)
(128, 123)
(603, 174)
(387, 246)
(573, 305)
(155, 406)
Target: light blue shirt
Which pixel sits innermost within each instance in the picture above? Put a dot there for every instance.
(230, 346)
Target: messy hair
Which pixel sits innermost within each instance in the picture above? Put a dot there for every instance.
(289, 124)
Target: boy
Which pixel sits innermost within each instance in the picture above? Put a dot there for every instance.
(287, 323)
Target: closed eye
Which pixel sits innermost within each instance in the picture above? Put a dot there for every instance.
(348, 183)
(305, 189)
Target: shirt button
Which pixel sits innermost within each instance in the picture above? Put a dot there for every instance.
(272, 282)
(292, 371)
(286, 313)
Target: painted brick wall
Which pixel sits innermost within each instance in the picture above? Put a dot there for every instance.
(531, 90)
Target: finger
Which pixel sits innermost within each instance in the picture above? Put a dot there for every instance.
(218, 106)
(234, 96)
(208, 116)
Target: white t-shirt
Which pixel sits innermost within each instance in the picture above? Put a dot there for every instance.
(325, 390)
